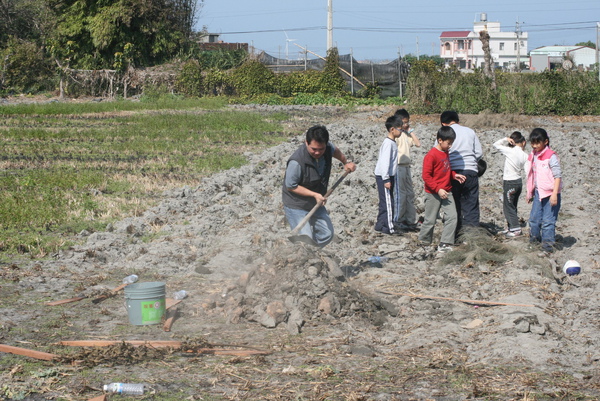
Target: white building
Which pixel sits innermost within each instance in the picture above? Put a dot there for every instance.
(464, 49)
(568, 57)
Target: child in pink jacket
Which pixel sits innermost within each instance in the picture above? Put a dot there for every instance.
(544, 184)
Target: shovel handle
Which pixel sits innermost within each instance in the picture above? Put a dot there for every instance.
(318, 205)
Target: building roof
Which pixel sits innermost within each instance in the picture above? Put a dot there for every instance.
(557, 49)
(455, 34)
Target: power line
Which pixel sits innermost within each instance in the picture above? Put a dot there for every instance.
(312, 28)
(526, 27)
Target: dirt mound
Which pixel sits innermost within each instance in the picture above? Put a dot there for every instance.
(297, 283)
(416, 325)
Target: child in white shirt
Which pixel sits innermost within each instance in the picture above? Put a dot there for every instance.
(512, 184)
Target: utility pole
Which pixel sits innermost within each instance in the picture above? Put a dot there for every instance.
(329, 24)
(417, 48)
(597, 49)
(399, 73)
(351, 72)
(305, 58)
(518, 33)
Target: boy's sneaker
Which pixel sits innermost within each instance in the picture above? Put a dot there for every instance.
(513, 233)
(547, 248)
(443, 247)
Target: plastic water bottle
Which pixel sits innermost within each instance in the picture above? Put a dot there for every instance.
(130, 279)
(181, 294)
(377, 259)
(125, 388)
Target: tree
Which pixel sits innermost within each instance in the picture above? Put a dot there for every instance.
(411, 58)
(331, 78)
(29, 20)
(96, 30)
(23, 67)
(589, 43)
(488, 70)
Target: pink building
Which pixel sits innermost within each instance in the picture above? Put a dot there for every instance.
(457, 48)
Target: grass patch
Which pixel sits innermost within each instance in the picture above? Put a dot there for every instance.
(66, 167)
(75, 108)
(479, 248)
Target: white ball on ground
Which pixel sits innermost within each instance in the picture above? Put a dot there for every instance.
(571, 268)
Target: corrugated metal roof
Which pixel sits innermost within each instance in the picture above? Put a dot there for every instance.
(455, 34)
(560, 49)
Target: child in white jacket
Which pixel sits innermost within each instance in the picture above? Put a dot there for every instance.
(512, 185)
(385, 171)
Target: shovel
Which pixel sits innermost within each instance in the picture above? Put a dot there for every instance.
(294, 237)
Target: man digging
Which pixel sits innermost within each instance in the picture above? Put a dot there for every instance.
(305, 186)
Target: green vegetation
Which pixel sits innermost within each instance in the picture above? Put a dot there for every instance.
(589, 43)
(411, 58)
(432, 90)
(69, 167)
(106, 49)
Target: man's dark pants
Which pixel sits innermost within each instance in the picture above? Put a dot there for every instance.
(466, 198)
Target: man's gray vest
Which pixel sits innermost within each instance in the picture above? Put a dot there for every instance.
(309, 179)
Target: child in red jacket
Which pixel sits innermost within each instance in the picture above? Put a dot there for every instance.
(438, 190)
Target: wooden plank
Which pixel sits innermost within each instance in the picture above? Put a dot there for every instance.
(99, 398)
(95, 300)
(169, 322)
(158, 344)
(235, 352)
(170, 302)
(27, 352)
(64, 301)
(113, 292)
(106, 343)
(170, 314)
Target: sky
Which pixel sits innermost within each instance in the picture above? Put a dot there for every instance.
(381, 30)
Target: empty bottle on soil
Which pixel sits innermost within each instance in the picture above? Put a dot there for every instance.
(179, 295)
(130, 279)
(125, 388)
(377, 259)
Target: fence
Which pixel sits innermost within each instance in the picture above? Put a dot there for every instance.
(389, 77)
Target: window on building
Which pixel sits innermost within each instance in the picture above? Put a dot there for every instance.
(461, 45)
(447, 46)
(501, 45)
